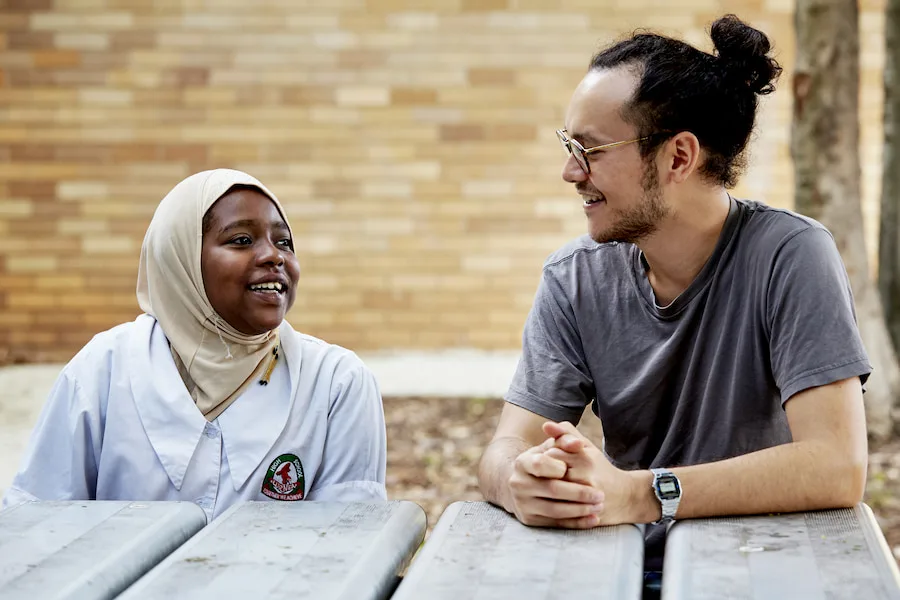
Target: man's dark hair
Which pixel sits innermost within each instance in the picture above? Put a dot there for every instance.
(714, 96)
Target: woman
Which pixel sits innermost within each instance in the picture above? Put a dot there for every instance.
(210, 397)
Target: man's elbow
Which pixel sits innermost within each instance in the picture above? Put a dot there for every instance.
(849, 483)
(487, 473)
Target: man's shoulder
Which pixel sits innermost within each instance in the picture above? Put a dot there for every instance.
(580, 251)
(771, 226)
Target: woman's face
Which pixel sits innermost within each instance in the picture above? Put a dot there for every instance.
(250, 271)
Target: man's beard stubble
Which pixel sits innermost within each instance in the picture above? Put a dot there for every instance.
(642, 220)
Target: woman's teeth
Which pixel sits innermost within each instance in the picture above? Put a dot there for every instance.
(267, 287)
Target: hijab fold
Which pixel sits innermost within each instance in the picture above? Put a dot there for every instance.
(216, 361)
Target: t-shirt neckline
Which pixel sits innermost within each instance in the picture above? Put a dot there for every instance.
(671, 310)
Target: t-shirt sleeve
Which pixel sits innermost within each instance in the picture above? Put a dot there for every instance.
(814, 338)
(552, 378)
(355, 454)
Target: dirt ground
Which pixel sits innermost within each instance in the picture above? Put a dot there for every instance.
(434, 446)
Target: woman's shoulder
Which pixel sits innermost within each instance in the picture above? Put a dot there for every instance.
(105, 347)
(309, 349)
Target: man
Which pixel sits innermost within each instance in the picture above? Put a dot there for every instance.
(715, 338)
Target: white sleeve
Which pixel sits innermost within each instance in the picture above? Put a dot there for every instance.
(355, 455)
(60, 462)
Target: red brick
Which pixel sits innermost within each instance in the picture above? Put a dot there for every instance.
(29, 40)
(32, 189)
(56, 59)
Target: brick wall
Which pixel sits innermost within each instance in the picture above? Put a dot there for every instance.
(412, 143)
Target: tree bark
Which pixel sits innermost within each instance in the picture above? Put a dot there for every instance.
(889, 234)
(825, 148)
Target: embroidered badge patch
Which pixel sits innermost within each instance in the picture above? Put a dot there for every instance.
(284, 479)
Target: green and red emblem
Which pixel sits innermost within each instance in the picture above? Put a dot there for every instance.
(284, 479)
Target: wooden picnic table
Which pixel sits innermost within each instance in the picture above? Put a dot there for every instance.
(819, 555)
(479, 551)
(291, 551)
(359, 550)
(87, 549)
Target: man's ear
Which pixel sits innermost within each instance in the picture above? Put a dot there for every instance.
(682, 156)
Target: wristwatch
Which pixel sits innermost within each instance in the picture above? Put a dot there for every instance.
(668, 491)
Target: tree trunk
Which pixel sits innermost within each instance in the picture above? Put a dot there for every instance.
(825, 148)
(889, 234)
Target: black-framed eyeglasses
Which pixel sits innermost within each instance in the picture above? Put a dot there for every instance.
(581, 153)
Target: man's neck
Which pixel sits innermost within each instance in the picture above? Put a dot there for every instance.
(683, 243)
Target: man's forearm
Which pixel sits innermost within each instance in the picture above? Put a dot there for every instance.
(792, 477)
(496, 468)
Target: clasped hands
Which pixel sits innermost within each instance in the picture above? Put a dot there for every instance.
(568, 482)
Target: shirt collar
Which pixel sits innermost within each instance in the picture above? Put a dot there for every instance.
(171, 420)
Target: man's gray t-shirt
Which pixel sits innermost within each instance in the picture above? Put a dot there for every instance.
(705, 378)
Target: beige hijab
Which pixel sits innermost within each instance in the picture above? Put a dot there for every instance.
(216, 361)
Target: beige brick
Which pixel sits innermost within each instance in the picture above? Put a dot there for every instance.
(82, 41)
(32, 339)
(59, 282)
(334, 116)
(31, 264)
(394, 189)
(363, 96)
(413, 21)
(81, 190)
(31, 302)
(91, 300)
(308, 20)
(107, 319)
(107, 245)
(60, 321)
(13, 207)
(487, 263)
(102, 21)
(105, 97)
(487, 188)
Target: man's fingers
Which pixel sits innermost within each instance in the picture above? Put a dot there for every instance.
(568, 491)
(538, 464)
(579, 467)
(556, 510)
(526, 487)
(566, 435)
(572, 459)
(546, 445)
(587, 522)
(570, 443)
(554, 429)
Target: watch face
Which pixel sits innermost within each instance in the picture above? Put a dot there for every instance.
(667, 487)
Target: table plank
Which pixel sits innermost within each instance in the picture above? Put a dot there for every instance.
(479, 551)
(87, 549)
(292, 550)
(818, 555)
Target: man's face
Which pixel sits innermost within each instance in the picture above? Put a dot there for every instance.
(622, 197)
(249, 268)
